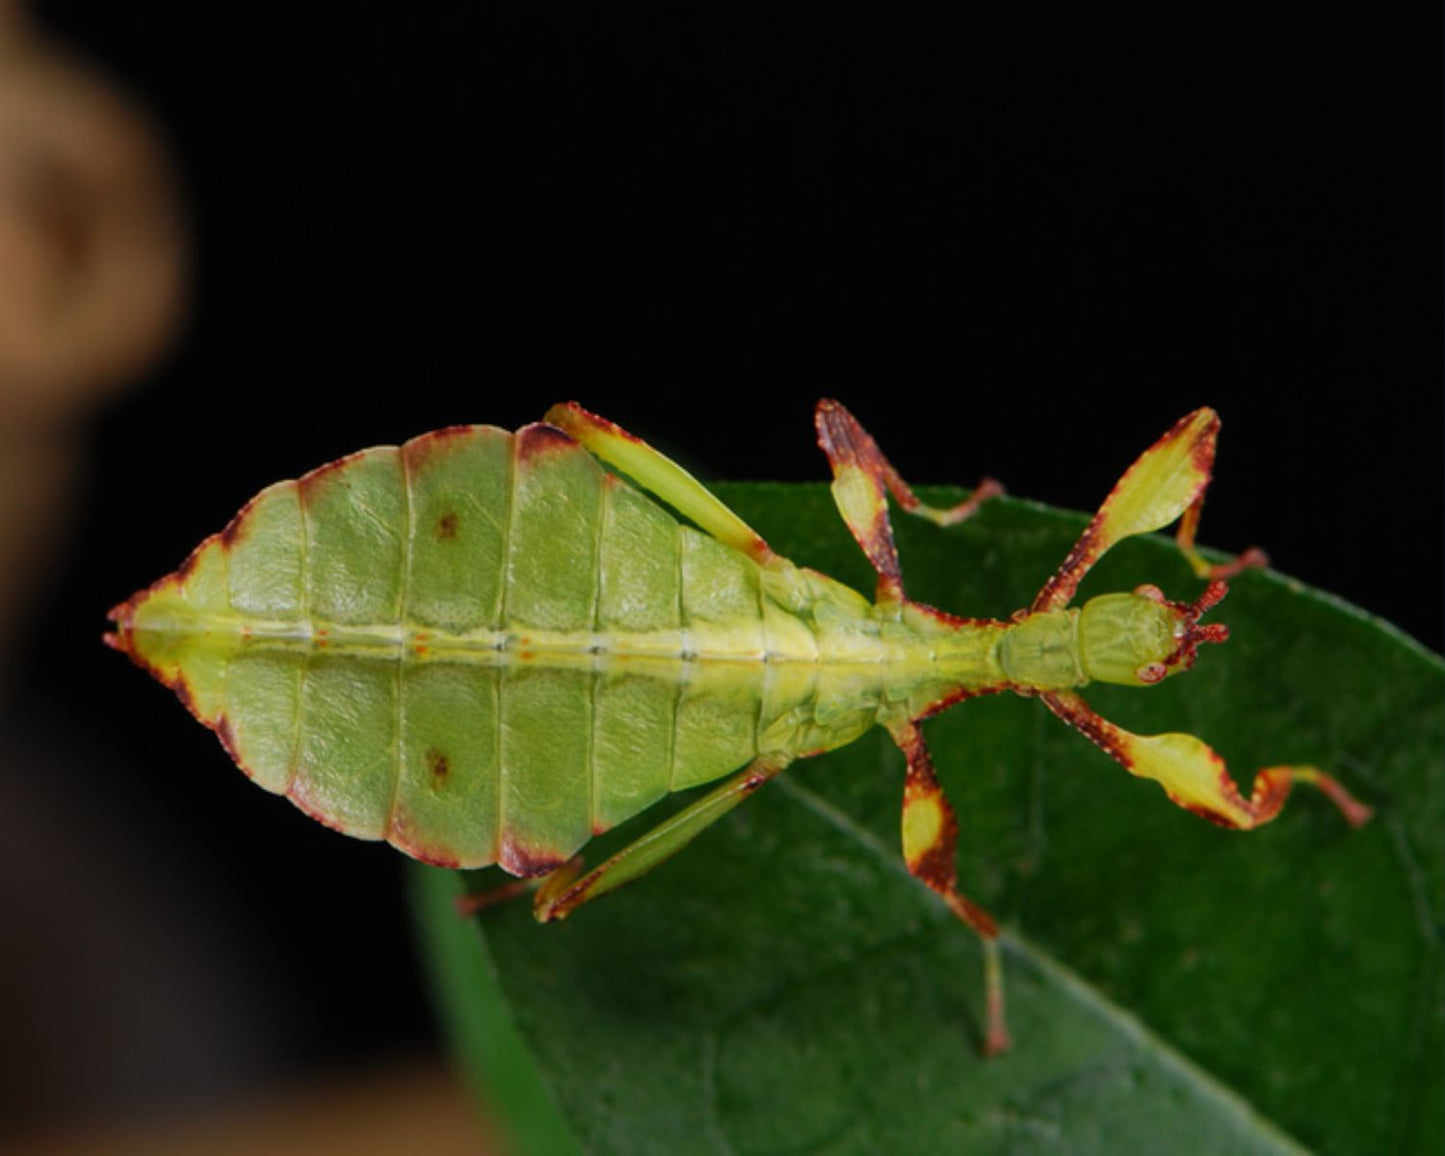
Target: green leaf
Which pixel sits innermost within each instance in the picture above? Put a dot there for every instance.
(783, 986)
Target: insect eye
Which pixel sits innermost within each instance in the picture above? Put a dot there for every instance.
(1149, 591)
(1152, 673)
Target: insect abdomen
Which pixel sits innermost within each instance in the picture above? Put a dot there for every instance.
(476, 645)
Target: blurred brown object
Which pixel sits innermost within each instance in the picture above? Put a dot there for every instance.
(92, 257)
(420, 1109)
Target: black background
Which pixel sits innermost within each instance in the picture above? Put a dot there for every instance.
(1012, 246)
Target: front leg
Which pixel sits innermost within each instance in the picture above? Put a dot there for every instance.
(1194, 776)
(1166, 481)
(930, 847)
(1184, 539)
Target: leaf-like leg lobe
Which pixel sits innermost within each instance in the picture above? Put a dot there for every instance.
(1168, 479)
(930, 844)
(862, 479)
(1194, 776)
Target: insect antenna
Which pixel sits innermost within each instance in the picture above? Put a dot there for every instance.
(1192, 635)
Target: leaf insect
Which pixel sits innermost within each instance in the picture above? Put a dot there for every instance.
(486, 648)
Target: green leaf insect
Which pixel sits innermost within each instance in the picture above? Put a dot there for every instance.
(484, 647)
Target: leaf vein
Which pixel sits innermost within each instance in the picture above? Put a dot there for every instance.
(1230, 1101)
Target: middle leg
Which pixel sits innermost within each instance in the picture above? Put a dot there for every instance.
(862, 479)
(930, 845)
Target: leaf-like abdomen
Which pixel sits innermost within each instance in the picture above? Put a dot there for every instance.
(479, 646)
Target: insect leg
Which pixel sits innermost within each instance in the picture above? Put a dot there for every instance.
(660, 475)
(1168, 480)
(1189, 525)
(930, 841)
(474, 901)
(564, 891)
(862, 477)
(1194, 776)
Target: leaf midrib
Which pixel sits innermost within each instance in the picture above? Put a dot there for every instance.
(1080, 990)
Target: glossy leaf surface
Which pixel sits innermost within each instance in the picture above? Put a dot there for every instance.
(784, 986)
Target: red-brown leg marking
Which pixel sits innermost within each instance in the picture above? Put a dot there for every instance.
(1194, 776)
(858, 490)
(1189, 526)
(930, 842)
(862, 477)
(1354, 811)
